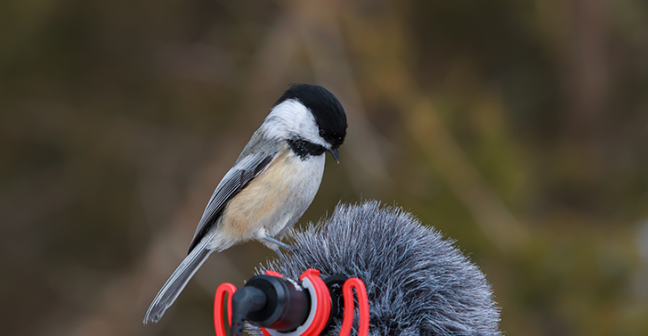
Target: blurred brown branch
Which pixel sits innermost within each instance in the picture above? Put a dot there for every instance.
(429, 131)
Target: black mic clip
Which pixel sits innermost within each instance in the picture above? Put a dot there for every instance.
(285, 307)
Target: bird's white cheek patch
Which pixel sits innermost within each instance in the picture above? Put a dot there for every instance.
(290, 119)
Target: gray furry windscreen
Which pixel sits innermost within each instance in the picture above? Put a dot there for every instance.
(418, 283)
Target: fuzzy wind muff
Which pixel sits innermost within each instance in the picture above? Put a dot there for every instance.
(418, 283)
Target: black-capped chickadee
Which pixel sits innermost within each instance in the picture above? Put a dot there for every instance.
(272, 183)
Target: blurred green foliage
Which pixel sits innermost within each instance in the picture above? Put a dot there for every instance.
(117, 120)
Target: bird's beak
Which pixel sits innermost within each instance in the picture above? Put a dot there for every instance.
(335, 155)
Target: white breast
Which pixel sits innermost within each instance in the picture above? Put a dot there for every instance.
(305, 183)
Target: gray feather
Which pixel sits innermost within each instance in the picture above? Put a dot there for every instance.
(417, 282)
(177, 282)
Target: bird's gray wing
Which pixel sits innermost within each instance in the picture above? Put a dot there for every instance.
(247, 167)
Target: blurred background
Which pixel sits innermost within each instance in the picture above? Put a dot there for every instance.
(519, 128)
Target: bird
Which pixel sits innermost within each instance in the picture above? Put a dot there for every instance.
(270, 186)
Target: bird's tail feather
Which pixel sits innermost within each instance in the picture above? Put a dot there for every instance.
(177, 282)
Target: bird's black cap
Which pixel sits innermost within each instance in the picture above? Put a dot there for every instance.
(329, 113)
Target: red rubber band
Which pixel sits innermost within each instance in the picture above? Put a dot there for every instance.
(363, 307)
(219, 299)
(323, 302)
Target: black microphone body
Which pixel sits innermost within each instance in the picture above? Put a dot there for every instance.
(417, 282)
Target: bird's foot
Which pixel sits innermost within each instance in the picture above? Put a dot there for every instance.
(280, 255)
(277, 242)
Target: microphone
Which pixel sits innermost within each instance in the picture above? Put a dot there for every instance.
(269, 302)
(417, 283)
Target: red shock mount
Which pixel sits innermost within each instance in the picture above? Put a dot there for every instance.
(320, 306)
